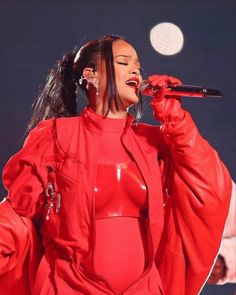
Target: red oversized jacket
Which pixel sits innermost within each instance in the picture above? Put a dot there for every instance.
(51, 180)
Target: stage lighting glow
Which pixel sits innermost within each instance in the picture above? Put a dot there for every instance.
(167, 38)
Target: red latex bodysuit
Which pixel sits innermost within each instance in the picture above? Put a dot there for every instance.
(120, 205)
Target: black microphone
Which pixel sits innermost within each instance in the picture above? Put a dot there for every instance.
(183, 90)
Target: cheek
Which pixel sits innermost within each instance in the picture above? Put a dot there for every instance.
(118, 78)
(120, 75)
(121, 85)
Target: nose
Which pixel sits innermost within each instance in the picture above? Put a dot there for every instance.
(135, 71)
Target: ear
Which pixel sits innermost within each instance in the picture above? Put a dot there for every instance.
(89, 73)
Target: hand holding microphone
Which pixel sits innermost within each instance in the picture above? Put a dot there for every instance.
(165, 109)
(162, 87)
(182, 90)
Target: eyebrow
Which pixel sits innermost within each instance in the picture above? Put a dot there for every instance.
(123, 55)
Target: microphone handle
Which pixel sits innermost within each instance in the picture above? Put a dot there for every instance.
(185, 90)
(194, 91)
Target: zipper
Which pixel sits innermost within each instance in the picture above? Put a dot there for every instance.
(65, 177)
(52, 197)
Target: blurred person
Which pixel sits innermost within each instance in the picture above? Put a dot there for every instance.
(224, 270)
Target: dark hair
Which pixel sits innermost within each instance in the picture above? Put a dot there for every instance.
(58, 96)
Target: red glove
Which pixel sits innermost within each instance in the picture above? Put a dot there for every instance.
(166, 107)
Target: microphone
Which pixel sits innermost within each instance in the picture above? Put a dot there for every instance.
(183, 90)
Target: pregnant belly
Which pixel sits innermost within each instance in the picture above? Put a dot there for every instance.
(120, 250)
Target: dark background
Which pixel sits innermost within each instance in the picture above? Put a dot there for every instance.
(34, 34)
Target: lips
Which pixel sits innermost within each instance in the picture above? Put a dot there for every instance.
(133, 82)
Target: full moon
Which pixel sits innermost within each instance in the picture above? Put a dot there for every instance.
(167, 38)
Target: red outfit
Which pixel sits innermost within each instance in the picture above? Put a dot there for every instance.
(120, 201)
(196, 187)
(120, 191)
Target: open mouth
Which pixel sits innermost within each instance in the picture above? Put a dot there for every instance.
(133, 83)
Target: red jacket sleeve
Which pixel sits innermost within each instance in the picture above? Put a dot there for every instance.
(14, 239)
(20, 252)
(198, 190)
(24, 176)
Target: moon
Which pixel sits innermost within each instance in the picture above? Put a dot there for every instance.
(167, 38)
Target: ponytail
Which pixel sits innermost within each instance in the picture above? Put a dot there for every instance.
(58, 96)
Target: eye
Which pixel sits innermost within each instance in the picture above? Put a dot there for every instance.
(122, 63)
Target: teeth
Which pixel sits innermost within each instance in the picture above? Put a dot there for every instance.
(132, 82)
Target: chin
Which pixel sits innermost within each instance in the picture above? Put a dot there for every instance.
(128, 102)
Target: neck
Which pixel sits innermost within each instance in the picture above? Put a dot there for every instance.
(99, 109)
(117, 114)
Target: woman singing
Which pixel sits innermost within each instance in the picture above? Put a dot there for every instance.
(99, 203)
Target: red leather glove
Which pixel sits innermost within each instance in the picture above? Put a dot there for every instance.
(166, 107)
